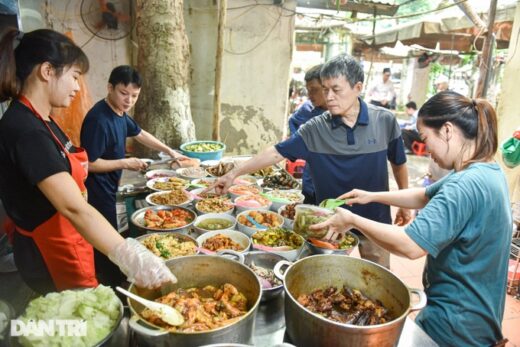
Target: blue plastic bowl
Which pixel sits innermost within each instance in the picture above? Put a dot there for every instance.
(215, 155)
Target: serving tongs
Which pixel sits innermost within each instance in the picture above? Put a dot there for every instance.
(167, 313)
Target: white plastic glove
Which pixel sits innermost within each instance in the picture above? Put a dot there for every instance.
(140, 265)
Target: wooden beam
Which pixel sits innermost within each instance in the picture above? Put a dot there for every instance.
(485, 59)
(222, 10)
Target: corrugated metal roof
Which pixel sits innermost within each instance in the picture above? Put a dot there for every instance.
(362, 6)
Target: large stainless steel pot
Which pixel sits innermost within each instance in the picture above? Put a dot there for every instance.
(199, 271)
(320, 271)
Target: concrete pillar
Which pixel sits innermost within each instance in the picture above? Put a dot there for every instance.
(507, 111)
(419, 85)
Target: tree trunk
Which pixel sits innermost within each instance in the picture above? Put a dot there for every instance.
(163, 59)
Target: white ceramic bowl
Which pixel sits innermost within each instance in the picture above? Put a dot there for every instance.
(209, 163)
(290, 255)
(159, 173)
(205, 217)
(250, 230)
(276, 204)
(191, 173)
(234, 235)
(246, 179)
(186, 203)
(240, 208)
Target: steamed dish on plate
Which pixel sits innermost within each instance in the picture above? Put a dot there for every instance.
(167, 219)
(169, 246)
(203, 309)
(171, 198)
(348, 306)
(220, 242)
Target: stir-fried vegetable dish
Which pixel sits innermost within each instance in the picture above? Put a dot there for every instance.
(277, 237)
(169, 246)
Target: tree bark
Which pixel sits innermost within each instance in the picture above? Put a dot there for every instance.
(163, 59)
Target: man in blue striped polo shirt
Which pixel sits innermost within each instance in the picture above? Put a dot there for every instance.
(345, 148)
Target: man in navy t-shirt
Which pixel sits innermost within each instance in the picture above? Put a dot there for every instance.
(311, 108)
(103, 135)
(347, 147)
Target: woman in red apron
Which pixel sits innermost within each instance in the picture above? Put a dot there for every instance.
(42, 175)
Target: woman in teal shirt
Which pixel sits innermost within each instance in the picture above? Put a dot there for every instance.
(464, 226)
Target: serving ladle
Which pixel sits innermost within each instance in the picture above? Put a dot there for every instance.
(167, 313)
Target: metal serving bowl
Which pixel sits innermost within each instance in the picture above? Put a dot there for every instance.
(268, 261)
(137, 219)
(319, 250)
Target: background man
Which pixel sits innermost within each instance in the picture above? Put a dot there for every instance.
(383, 93)
(313, 107)
(103, 135)
(345, 148)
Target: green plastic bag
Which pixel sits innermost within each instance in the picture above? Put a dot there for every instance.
(511, 152)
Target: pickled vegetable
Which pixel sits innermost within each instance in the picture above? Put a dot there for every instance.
(309, 215)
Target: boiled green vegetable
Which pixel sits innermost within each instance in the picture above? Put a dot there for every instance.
(98, 307)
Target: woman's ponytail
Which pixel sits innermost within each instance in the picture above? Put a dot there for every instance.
(487, 135)
(9, 85)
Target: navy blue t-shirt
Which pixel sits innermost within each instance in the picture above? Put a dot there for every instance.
(103, 135)
(301, 116)
(341, 158)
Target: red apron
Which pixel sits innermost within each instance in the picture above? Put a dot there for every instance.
(67, 255)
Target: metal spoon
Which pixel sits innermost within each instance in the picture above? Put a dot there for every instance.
(167, 313)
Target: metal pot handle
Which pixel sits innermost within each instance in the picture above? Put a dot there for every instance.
(133, 322)
(228, 253)
(278, 269)
(422, 299)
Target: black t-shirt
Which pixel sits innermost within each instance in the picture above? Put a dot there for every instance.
(28, 155)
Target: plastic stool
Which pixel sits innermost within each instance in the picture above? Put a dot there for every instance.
(419, 148)
(295, 168)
